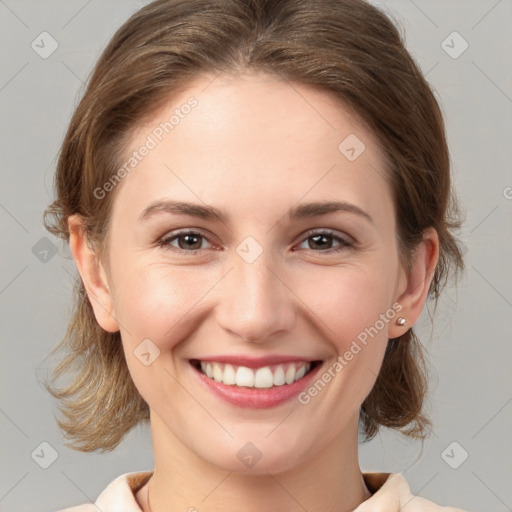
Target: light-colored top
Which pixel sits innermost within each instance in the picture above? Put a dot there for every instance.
(390, 493)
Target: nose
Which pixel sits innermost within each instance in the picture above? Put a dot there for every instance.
(256, 304)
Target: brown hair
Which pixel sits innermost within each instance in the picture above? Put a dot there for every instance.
(347, 48)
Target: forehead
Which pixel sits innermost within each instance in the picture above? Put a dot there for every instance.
(235, 136)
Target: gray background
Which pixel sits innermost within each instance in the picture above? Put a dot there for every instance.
(470, 345)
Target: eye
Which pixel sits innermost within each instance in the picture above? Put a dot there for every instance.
(188, 241)
(322, 241)
(192, 241)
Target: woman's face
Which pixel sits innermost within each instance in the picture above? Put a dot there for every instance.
(269, 283)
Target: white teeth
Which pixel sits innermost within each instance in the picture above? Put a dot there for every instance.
(244, 377)
(290, 375)
(300, 373)
(217, 373)
(229, 377)
(262, 378)
(279, 376)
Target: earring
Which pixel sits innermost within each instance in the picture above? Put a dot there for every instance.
(401, 321)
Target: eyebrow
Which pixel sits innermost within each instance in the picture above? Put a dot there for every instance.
(210, 212)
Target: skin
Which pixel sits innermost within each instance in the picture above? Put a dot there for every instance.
(255, 147)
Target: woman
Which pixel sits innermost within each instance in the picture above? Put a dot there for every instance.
(257, 197)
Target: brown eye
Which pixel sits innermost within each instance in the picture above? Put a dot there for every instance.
(324, 242)
(187, 241)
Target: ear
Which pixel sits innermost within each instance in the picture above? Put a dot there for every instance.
(417, 282)
(93, 275)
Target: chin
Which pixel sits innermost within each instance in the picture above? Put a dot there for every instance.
(256, 457)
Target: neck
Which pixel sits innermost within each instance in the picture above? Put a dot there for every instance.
(328, 481)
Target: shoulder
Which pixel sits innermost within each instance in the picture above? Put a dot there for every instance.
(392, 493)
(120, 492)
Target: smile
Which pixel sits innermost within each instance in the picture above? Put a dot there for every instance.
(258, 383)
(263, 377)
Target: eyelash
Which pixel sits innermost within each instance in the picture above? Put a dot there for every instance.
(165, 242)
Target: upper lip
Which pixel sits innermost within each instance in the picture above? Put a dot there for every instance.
(255, 362)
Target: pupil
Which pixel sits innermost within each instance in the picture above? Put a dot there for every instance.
(323, 238)
(190, 240)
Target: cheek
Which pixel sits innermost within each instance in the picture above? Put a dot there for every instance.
(349, 300)
(353, 309)
(151, 301)
(165, 305)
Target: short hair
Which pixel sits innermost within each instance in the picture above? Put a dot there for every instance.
(346, 48)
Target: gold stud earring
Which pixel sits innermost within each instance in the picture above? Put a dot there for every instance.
(401, 321)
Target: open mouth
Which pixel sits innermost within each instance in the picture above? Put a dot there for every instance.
(261, 378)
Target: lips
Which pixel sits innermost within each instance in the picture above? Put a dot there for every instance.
(253, 384)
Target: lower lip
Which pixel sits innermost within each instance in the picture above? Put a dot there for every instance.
(257, 398)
